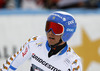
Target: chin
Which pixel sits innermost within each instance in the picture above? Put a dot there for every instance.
(50, 43)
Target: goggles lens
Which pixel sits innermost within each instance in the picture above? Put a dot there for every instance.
(55, 27)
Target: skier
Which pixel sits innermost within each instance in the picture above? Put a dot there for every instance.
(50, 52)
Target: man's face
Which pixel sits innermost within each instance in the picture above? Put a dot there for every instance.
(52, 38)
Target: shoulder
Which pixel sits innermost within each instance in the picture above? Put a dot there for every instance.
(35, 39)
(72, 55)
(70, 51)
(74, 59)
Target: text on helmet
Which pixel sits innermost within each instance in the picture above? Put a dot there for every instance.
(70, 22)
(69, 29)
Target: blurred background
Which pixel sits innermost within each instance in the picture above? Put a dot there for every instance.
(22, 19)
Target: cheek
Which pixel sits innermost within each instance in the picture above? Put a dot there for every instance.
(57, 38)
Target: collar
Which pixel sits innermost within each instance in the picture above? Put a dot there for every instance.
(62, 52)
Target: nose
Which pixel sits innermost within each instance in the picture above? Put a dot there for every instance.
(51, 32)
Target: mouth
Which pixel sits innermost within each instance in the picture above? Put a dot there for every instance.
(51, 38)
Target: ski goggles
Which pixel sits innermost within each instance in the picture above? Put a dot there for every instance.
(56, 28)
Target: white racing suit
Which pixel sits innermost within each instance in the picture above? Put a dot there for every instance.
(37, 49)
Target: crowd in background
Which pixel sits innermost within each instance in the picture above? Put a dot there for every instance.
(49, 4)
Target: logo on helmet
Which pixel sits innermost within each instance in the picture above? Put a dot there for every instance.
(69, 29)
(53, 17)
(64, 19)
(57, 15)
(70, 22)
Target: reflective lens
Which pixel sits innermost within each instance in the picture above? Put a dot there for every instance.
(56, 27)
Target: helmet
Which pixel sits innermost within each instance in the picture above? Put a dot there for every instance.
(65, 19)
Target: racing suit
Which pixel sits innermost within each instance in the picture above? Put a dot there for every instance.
(37, 49)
